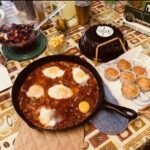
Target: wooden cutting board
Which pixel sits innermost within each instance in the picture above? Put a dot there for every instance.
(32, 139)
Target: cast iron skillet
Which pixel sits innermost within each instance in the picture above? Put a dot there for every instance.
(102, 104)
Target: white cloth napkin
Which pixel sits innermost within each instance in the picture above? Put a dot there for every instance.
(5, 81)
(136, 57)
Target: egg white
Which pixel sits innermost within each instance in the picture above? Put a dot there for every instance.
(53, 72)
(35, 91)
(59, 91)
(52, 122)
(46, 117)
(80, 76)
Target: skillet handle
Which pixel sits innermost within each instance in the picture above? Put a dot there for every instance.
(126, 112)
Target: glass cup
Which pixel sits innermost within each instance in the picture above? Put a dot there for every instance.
(19, 5)
(57, 42)
(61, 24)
(82, 11)
(29, 10)
(40, 13)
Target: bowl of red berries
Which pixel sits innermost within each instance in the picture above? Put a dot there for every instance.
(18, 36)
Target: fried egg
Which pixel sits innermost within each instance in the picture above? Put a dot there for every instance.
(80, 76)
(53, 72)
(60, 91)
(47, 116)
(36, 91)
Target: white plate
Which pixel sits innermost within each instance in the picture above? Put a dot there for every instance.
(5, 81)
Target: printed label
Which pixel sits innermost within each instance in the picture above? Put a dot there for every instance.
(104, 31)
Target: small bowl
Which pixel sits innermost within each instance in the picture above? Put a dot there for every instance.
(57, 46)
(23, 44)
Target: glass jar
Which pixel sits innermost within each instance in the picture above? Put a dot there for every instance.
(40, 13)
(29, 9)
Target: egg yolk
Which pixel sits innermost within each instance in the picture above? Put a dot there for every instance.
(80, 74)
(84, 106)
(53, 70)
(63, 92)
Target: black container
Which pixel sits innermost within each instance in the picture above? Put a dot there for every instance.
(90, 40)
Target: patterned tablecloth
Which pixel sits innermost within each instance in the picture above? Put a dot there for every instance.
(136, 136)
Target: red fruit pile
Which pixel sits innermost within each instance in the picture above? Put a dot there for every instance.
(17, 33)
